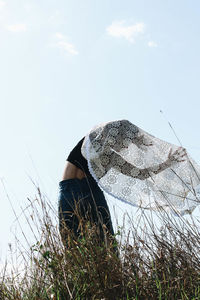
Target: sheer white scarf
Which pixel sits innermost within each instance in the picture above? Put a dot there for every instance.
(140, 169)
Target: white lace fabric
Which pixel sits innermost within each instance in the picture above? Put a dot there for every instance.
(134, 166)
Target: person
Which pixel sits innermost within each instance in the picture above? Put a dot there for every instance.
(81, 198)
(123, 160)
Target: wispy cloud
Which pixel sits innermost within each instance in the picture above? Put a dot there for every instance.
(152, 44)
(17, 28)
(60, 36)
(119, 29)
(63, 44)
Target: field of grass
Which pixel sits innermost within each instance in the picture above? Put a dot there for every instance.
(156, 263)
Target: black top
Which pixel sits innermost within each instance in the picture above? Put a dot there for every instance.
(76, 158)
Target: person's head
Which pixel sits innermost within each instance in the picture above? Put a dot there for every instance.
(116, 135)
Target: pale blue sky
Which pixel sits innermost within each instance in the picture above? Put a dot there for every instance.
(67, 65)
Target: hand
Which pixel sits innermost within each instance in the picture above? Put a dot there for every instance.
(176, 156)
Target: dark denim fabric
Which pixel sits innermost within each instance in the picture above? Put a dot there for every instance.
(88, 197)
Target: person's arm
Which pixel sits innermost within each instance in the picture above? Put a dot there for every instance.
(132, 171)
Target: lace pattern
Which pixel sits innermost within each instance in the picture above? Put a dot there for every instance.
(140, 169)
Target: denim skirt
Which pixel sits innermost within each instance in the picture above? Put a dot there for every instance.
(85, 198)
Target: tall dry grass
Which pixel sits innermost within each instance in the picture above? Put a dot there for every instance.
(155, 264)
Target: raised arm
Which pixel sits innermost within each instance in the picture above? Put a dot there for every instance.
(132, 171)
